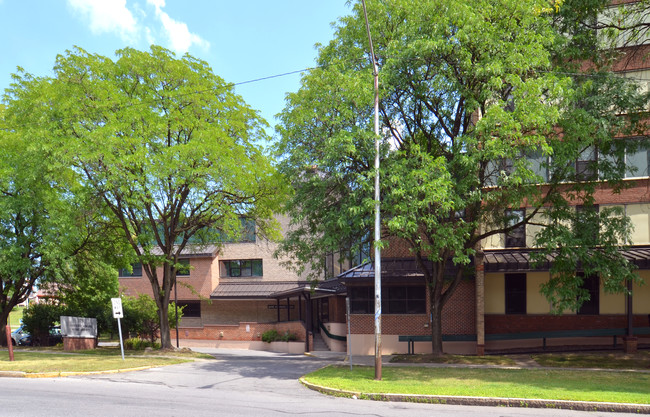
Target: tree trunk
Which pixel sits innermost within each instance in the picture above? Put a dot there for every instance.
(165, 338)
(436, 326)
(4, 315)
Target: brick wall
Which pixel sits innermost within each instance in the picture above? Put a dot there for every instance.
(458, 317)
(243, 331)
(337, 309)
(516, 323)
(235, 311)
(199, 281)
(397, 248)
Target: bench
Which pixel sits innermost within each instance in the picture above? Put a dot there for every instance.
(551, 334)
(411, 339)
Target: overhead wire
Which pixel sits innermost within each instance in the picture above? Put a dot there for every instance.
(621, 74)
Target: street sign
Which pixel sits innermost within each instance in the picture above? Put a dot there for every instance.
(117, 308)
(118, 314)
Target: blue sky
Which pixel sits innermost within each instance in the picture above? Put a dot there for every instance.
(241, 40)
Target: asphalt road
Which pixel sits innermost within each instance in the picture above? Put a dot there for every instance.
(238, 383)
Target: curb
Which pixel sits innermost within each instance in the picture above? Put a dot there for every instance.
(486, 401)
(20, 374)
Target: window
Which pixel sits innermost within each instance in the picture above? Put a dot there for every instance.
(404, 300)
(190, 308)
(515, 293)
(394, 299)
(516, 238)
(637, 159)
(362, 300)
(591, 283)
(538, 163)
(586, 165)
(242, 268)
(136, 271)
(587, 226)
(184, 268)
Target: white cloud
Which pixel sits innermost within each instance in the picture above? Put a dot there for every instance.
(107, 16)
(179, 36)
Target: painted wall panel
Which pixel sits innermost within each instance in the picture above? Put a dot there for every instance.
(495, 294)
(611, 303)
(641, 298)
(532, 229)
(536, 303)
(639, 215)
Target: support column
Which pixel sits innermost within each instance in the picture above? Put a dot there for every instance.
(308, 326)
(630, 342)
(480, 303)
(288, 309)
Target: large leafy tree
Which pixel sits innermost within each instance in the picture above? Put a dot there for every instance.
(48, 224)
(475, 112)
(168, 147)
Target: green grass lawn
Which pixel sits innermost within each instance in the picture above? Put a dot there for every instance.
(46, 361)
(15, 316)
(613, 360)
(561, 384)
(454, 359)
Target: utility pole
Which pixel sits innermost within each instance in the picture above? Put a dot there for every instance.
(375, 73)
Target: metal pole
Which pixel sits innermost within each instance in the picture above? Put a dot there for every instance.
(347, 312)
(375, 72)
(119, 329)
(630, 310)
(176, 309)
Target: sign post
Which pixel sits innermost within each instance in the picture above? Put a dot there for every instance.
(347, 312)
(118, 314)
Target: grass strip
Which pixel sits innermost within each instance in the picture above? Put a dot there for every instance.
(617, 387)
(41, 362)
(614, 360)
(454, 359)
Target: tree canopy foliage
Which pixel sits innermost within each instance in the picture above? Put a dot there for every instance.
(166, 145)
(479, 106)
(50, 227)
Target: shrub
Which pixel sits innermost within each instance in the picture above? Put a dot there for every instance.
(140, 344)
(273, 336)
(289, 337)
(141, 316)
(270, 336)
(38, 318)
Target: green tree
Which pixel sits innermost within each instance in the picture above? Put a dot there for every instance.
(474, 115)
(166, 144)
(38, 318)
(51, 228)
(141, 316)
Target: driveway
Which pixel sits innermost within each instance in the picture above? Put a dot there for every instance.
(238, 383)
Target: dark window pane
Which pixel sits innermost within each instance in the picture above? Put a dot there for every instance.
(190, 308)
(592, 284)
(586, 166)
(184, 268)
(417, 307)
(516, 238)
(397, 307)
(515, 293)
(136, 271)
(257, 268)
(246, 268)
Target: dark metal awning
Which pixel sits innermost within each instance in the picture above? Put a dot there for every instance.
(280, 289)
(394, 269)
(519, 260)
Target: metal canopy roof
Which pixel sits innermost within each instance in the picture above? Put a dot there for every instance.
(278, 289)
